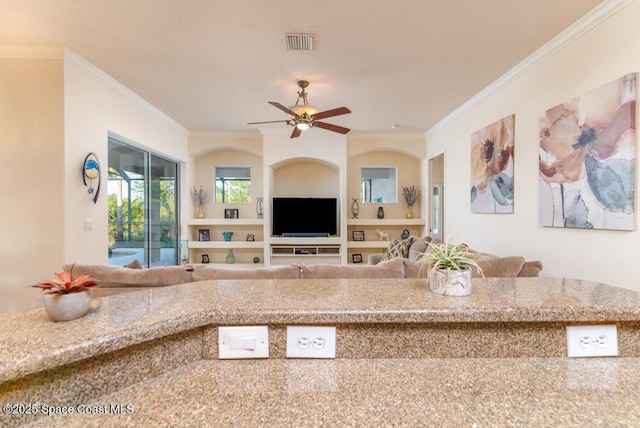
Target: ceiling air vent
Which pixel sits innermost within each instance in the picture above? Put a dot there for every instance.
(299, 42)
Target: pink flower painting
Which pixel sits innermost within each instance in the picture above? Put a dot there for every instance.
(492, 167)
(587, 159)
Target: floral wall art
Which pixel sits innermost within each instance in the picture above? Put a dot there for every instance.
(492, 167)
(587, 159)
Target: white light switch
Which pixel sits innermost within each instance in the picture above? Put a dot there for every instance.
(243, 342)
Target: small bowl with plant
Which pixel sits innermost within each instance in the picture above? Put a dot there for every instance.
(66, 298)
(450, 268)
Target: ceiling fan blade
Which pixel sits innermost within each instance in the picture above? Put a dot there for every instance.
(269, 121)
(296, 132)
(283, 108)
(330, 127)
(330, 113)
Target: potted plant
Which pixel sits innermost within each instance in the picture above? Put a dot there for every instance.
(450, 268)
(411, 195)
(66, 298)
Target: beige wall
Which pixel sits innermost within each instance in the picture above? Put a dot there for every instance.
(602, 54)
(53, 112)
(32, 173)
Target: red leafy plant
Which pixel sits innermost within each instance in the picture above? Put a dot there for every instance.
(65, 284)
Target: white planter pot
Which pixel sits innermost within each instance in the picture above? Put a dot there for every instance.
(450, 282)
(66, 307)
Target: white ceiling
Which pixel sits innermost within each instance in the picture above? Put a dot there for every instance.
(214, 64)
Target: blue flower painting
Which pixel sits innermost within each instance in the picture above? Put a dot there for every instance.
(492, 167)
(587, 159)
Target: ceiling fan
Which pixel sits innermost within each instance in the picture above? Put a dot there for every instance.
(303, 115)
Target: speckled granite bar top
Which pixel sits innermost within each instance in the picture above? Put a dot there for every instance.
(458, 392)
(30, 342)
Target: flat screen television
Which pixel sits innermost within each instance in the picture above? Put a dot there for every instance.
(304, 217)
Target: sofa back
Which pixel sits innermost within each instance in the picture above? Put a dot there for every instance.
(117, 276)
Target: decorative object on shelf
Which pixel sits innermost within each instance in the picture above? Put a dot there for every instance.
(355, 208)
(231, 213)
(357, 235)
(356, 258)
(251, 237)
(449, 268)
(205, 258)
(204, 235)
(380, 212)
(231, 258)
(227, 236)
(384, 236)
(184, 251)
(256, 259)
(405, 234)
(260, 207)
(200, 197)
(91, 171)
(411, 195)
(66, 298)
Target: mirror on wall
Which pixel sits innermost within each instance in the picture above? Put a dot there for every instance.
(379, 184)
(232, 184)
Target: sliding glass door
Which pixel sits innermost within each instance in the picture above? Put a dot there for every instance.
(143, 201)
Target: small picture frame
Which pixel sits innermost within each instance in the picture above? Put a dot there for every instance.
(205, 258)
(251, 237)
(358, 235)
(204, 235)
(356, 258)
(231, 213)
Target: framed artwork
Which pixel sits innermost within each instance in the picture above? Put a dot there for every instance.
(205, 258)
(231, 213)
(358, 235)
(492, 167)
(356, 258)
(251, 237)
(586, 163)
(203, 235)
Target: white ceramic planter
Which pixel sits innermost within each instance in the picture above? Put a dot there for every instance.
(450, 282)
(66, 307)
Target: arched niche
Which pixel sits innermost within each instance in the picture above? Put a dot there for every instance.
(305, 177)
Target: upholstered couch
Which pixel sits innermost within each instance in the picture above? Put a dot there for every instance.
(116, 279)
(492, 266)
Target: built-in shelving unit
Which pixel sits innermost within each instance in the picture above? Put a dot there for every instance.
(287, 254)
(217, 248)
(372, 242)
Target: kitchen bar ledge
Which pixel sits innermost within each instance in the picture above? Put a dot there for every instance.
(31, 343)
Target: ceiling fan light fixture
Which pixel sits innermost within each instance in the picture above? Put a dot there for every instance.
(301, 109)
(303, 126)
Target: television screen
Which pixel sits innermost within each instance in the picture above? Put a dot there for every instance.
(305, 217)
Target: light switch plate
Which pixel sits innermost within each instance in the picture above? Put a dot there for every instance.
(243, 342)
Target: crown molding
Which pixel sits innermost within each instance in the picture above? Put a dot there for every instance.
(72, 58)
(596, 16)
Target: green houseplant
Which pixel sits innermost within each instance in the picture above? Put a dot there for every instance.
(66, 298)
(450, 267)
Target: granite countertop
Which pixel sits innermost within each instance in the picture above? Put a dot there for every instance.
(458, 392)
(30, 342)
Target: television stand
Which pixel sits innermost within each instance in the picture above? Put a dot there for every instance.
(283, 254)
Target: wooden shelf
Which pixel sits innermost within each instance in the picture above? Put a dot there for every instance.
(226, 222)
(368, 244)
(386, 222)
(226, 244)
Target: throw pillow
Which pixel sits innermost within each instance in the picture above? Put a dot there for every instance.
(398, 248)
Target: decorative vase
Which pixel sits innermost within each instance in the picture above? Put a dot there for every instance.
(260, 207)
(66, 307)
(200, 211)
(227, 236)
(410, 211)
(230, 257)
(380, 212)
(450, 282)
(256, 259)
(355, 208)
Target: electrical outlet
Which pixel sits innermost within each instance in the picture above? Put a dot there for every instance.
(311, 342)
(592, 341)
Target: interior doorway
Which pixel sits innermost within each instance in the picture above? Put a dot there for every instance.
(436, 197)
